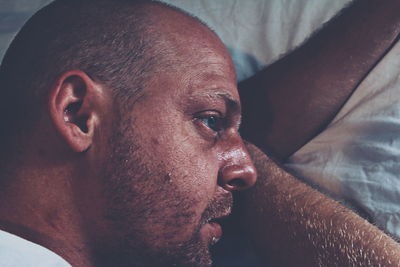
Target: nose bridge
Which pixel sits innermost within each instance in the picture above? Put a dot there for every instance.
(237, 171)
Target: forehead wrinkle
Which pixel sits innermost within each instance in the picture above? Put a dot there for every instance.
(195, 73)
(232, 104)
(200, 76)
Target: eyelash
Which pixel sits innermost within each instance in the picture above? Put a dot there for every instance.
(213, 121)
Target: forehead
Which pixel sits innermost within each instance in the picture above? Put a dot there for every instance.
(204, 74)
(189, 58)
(199, 63)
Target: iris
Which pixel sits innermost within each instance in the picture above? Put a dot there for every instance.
(213, 122)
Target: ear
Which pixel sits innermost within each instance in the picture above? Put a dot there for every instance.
(72, 106)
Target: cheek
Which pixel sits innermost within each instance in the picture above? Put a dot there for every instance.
(174, 144)
(199, 163)
(180, 148)
(194, 168)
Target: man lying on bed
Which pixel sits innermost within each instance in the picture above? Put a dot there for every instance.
(120, 147)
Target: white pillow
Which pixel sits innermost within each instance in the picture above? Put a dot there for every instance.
(257, 32)
(357, 158)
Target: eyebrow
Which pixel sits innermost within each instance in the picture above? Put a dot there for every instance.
(233, 106)
(231, 103)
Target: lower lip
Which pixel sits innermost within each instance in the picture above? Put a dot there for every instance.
(212, 232)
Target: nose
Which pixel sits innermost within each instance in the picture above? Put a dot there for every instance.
(239, 172)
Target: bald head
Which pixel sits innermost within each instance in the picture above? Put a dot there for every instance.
(119, 43)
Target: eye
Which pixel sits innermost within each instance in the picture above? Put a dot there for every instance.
(213, 122)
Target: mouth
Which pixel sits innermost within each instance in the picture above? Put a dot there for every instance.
(212, 230)
(213, 217)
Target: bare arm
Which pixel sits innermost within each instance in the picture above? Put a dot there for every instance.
(292, 224)
(289, 102)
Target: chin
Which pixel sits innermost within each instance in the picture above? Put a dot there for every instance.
(134, 251)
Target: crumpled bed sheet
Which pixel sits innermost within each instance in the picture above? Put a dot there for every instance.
(357, 158)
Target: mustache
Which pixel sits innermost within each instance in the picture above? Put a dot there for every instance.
(220, 206)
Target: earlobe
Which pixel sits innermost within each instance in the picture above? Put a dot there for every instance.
(72, 109)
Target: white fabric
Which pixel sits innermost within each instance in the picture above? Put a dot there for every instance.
(18, 252)
(358, 157)
(257, 32)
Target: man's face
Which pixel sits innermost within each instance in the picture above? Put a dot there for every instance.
(175, 159)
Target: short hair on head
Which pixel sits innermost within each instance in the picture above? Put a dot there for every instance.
(111, 40)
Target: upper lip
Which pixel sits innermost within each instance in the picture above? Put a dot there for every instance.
(224, 215)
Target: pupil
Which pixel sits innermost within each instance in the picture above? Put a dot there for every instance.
(212, 122)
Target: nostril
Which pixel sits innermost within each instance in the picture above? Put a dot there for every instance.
(237, 177)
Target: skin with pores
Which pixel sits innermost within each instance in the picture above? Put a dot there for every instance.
(143, 186)
(179, 111)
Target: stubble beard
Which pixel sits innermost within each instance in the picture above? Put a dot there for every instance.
(134, 189)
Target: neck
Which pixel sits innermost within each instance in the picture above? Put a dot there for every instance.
(42, 210)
